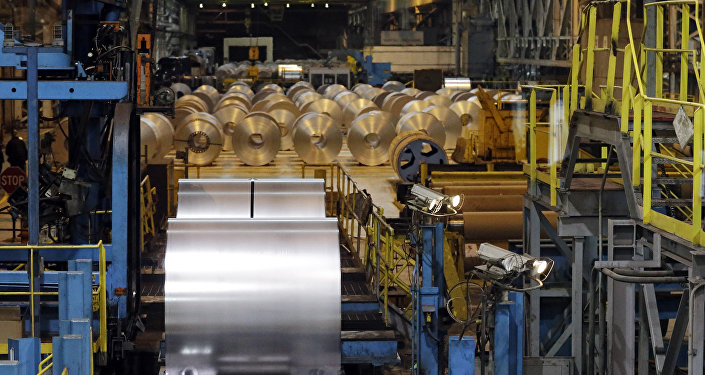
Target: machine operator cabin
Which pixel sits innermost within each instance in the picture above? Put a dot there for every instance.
(352, 187)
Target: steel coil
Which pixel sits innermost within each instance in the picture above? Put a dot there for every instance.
(421, 95)
(209, 95)
(317, 138)
(322, 89)
(326, 107)
(393, 86)
(446, 91)
(281, 103)
(451, 122)
(439, 100)
(332, 90)
(234, 97)
(262, 94)
(243, 89)
(380, 97)
(355, 108)
(415, 106)
(229, 117)
(200, 134)
(295, 89)
(411, 91)
(345, 97)
(306, 98)
(468, 111)
(397, 103)
(424, 122)
(285, 121)
(409, 150)
(272, 86)
(163, 132)
(256, 140)
(369, 138)
(180, 89)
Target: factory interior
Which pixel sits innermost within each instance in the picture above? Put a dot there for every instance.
(352, 187)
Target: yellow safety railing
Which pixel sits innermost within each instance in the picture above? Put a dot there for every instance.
(45, 364)
(101, 343)
(370, 238)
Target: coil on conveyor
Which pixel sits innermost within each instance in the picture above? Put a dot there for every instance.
(293, 90)
(256, 140)
(285, 120)
(180, 89)
(415, 106)
(208, 94)
(317, 138)
(262, 94)
(409, 150)
(272, 86)
(356, 108)
(439, 100)
(451, 122)
(369, 138)
(322, 88)
(424, 122)
(371, 93)
(393, 86)
(156, 135)
(262, 104)
(230, 116)
(303, 90)
(326, 107)
(461, 96)
(201, 136)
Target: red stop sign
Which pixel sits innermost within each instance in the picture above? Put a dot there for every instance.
(12, 178)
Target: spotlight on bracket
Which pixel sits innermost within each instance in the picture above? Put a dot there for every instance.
(200, 5)
(433, 202)
(501, 264)
(224, 4)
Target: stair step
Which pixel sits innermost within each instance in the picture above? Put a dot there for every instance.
(665, 140)
(671, 202)
(658, 160)
(671, 181)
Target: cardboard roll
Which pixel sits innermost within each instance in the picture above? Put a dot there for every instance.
(345, 97)
(232, 98)
(356, 108)
(468, 111)
(272, 86)
(322, 89)
(451, 122)
(424, 122)
(360, 88)
(369, 138)
(291, 93)
(446, 91)
(438, 100)
(415, 106)
(306, 98)
(256, 140)
(209, 95)
(393, 86)
(317, 138)
(229, 117)
(397, 103)
(180, 89)
(326, 107)
(380, 97)
(200, 134)
(411, 91)
(285, 120)
(409, 150)
(332, 90)
(498, 226)
(280, 103)
(421, 95)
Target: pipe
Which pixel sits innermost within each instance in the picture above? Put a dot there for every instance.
(642, 273)
(644, 279)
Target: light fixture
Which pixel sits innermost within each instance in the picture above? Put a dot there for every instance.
(252, 5)
(326, 5)
(224, 5)
(501, 263)
(287, 5)
(200, 5)
(266, 3)
(433, 202)
(313, 5)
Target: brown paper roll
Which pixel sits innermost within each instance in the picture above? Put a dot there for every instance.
(489, 203)
(471, 191)
(497, 226)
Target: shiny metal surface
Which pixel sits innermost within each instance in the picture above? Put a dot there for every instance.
(410, 91)
(241, 88)
(282, 103)
(214, 198)
(446, 91)
(425, 122)
(289, 198)
(180, 89)
(345, 97)
(424, 94)
(200, 133)
(230, 116)
(256, 296)
(415, 106)
(451, 122)
(157, 133)
(285, 120)
(355, 108)
(256, 140)
(326, 107)
(317, 139)
(369, 138)
(304, 99)
(393, 86)
(397, 103)
(440, 100)
(208, 94)
(332, 90)
(231, 98)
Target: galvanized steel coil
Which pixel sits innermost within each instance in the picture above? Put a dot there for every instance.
(209, 95)
(327, 107)
(369, 138)
(256, 140)
(424, 122)
(285, 120)
(451, 122)
(200, 134)
(317, 138)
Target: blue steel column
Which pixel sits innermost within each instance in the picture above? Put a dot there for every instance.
(431, 298)
(33, 167)
(509, 336)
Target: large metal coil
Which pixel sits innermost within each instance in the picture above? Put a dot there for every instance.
(304, 99)
(326, 107)
(234, 98)
(297, 85)
(291, 93)
(209, 95)
(461, 95)
(282, 103)
(317, 138)
(393, 86)
(241, 88)
(446, 91)
(468, 111)
(424, 122)
(398, 103)
(355, 108)
(201, 135)
(272, 86)
(369, 138)
(421, 95)
(438, 100)
(380, 97)
(332, 90)
(229, 117)
(415, 106)
(285, 120)
(411, 91)
(187, 105)
(262, 104)
(156, 135)
(322, 89)
(345, 97)
(451, 122)
(372, 92)
(180, 89)
(298, 93)
(361, 88)
(388, 99)
(409, 150)
(256, 140)
(262, 94)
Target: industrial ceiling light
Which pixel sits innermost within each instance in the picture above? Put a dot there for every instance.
(266, 3)
(200, 5)
(313, 5)
(287, 5)
(224, 5)
(252, 5)
(326, 5)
